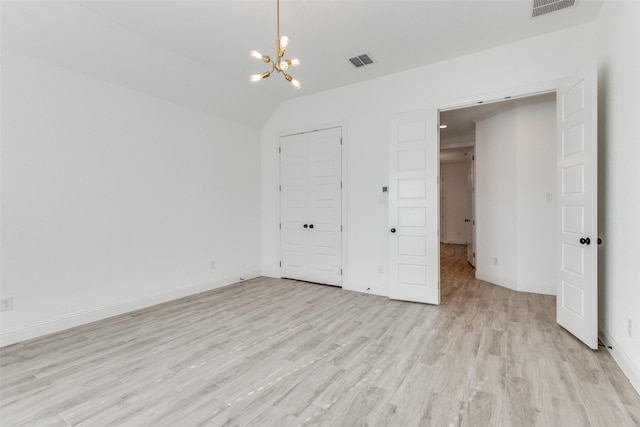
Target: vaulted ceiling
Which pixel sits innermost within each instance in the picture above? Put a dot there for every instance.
(196, 53)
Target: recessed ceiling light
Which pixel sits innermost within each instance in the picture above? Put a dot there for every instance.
(443, 126)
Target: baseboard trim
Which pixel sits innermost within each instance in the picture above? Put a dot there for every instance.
(57, 324)
(271, 273)
(538, 288)
(496, 280)
(454, 242)
(622, 359)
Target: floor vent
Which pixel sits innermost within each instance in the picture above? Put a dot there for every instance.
(361, 60)
(542, 7)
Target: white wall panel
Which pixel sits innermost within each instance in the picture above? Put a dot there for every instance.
(113, 200)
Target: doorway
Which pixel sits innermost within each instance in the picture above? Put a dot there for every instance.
(497, 162)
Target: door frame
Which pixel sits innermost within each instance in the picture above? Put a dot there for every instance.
(511, 93)
(342, 124)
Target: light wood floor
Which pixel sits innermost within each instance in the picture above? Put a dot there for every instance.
(272, 352)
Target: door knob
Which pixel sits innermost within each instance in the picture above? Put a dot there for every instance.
(585, 241)
(467, 220)
(305, 226)
(310, 225)
(393, 230)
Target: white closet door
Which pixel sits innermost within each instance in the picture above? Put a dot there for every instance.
(294, 207)
(577, 299)
(414, 160)
(311, 206)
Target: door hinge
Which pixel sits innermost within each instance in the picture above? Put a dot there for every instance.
(280, 263)
(279, 187)
(280, 226)
(279, 150)
(340, 184)
(341, 229)
(473, 157)
(341, 272)
(340, 141)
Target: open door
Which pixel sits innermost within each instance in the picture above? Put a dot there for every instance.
(577, 298)
(414, 257)
(471, 239)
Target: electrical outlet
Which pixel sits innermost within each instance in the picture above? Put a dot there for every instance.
(629, 326)
(6, 303)
(212, 264)
(495, 260)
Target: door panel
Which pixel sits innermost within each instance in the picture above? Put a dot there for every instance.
(577, 303)
(311, 195)
(413, 208)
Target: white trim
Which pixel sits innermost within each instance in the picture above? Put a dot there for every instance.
(496, 279)
(622, 359)
(342, 124)
(454, 241)
(537, 288)
(60, 323)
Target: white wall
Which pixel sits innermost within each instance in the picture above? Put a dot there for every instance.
(496, 199)
(536, 179)
(523, 67)
(113, 200)
(454, 207)
(619, 198)
(515, 224)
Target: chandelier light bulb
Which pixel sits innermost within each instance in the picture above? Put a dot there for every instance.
(284, 42)
(258, 77)
(260, 56)
(284, 66)
(296, 84)
(295, 62)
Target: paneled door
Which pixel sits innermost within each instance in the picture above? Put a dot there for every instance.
(414, 256)
(577, 298)
(311, 206)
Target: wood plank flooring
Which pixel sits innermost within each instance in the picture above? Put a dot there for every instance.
(270, 352)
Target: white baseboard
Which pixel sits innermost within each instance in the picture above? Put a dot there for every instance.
(57, 324)
(538, 288)
(271, 273)
(454, 242)
(496, 280)
(622, 359)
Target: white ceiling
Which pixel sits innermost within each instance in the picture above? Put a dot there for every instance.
(197, 52)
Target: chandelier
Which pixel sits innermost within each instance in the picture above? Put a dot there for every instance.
(280, 64)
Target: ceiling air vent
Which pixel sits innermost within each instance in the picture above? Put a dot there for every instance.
(361, 60)
(542, 7)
